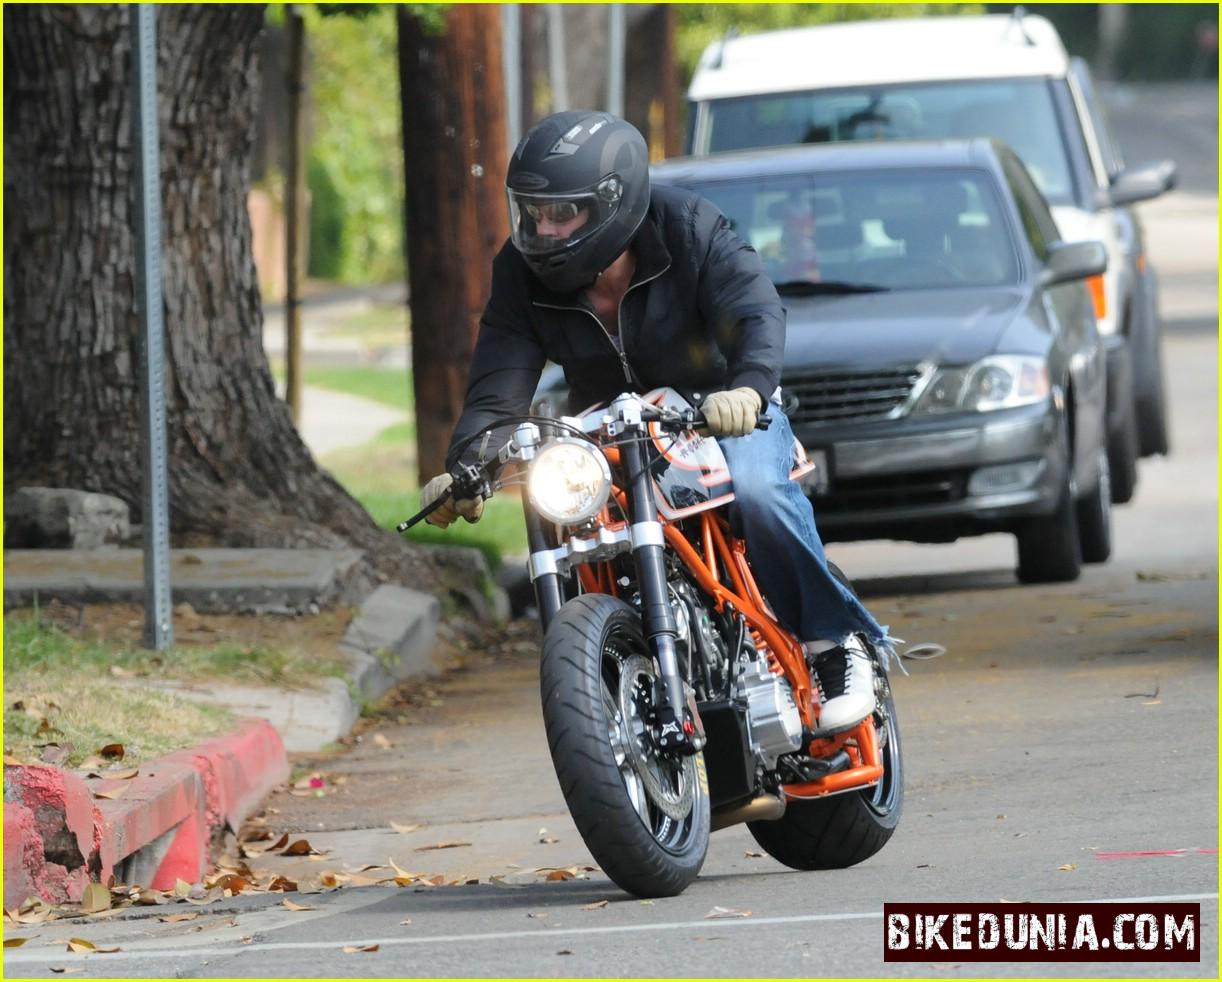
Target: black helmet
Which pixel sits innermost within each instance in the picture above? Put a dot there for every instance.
(578, 187)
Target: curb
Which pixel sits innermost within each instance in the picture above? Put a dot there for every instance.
(58, 837)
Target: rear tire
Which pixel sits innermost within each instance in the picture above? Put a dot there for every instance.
(592, 645)
(845, 829)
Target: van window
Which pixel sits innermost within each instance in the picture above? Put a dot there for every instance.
(894, 229)
(1019, 112)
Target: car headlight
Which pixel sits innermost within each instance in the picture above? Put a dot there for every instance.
(569, 482)
(996, 382)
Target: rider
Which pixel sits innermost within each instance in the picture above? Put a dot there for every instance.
(630, 288)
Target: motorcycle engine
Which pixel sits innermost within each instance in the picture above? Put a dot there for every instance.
(772, 715)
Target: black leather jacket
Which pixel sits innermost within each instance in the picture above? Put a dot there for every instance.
(700, 315)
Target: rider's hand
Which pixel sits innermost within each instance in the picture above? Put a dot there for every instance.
(470, 508)
(732, 413)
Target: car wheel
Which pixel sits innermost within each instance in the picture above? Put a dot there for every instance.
(1049, 548)
(1122, 451)
(1151, 410)
(1095, 518)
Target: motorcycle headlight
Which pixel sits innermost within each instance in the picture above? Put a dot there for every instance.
(996, 382)
(569, 482)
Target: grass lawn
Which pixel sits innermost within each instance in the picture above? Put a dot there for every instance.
(90, 690)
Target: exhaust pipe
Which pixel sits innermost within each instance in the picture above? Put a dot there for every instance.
(765, 808)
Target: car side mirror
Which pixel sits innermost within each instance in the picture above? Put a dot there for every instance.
(1146, 182)
(1073, 261)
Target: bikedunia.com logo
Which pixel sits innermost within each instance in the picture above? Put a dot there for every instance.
(1115, 932)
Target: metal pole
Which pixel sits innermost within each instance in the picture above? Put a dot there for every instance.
(511, 59)
(158, 621)
(615, 59)
(294, 211)
(557, 63)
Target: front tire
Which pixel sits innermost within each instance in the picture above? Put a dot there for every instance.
(644, 819)
(1049, 547)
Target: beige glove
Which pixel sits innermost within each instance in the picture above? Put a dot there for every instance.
(732, 413)
(470, 508)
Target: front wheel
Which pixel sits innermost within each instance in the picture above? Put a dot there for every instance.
(643, 816)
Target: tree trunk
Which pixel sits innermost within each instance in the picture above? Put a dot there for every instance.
(454, 161)
(239, 473)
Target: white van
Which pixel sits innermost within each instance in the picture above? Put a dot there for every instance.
(1006, 77)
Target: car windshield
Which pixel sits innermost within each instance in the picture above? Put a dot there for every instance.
(862, 231)
(1018, 111)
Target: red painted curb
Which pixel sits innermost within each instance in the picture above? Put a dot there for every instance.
(58, 836)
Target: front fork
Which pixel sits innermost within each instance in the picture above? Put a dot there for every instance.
(675, 729)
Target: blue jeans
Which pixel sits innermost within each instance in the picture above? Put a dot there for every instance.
(777, 521)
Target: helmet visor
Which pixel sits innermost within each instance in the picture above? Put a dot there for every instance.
(541, 224)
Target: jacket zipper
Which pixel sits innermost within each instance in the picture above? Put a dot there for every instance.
(629, 375)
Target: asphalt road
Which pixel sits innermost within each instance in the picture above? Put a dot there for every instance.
(1064, 749)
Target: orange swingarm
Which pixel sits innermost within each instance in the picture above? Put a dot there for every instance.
(861, 744)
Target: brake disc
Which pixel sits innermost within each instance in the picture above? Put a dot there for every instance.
(668, 783)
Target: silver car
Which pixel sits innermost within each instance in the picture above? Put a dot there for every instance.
(942, 366)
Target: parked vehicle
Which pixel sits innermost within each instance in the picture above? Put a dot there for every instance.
(955, 77)
(674, 702)
(942, 359)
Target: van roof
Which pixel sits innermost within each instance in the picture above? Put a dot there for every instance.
(877, 52)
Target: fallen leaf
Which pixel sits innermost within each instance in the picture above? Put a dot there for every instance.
(182, 888)
(353, 949)
(124, 775)
(80, 946)
(406, 829)
(406, 920)
(12, 761)
(357, 880)
(752, 854)
(17, 942)
(301, 847)
(56, 753)
(95, 898)
(442, 845)
(597, 905)
(720, 912)
(110, 794)
(379, 740)
(537, 916)
(560, 874)
(112, 751)
(233, 883)
(178, 918)
(61, 969)
(282, 884)
(279, 843)
(150, 898)
(564, 951)
(292, 906)
(1067, 867)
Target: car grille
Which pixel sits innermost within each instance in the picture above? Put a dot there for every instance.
(847, 396)
(894, 491)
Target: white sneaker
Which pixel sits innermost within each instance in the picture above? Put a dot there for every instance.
(846, 680)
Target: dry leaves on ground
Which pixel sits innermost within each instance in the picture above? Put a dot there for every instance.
(81, 946)
(442, 845)
(546, 839)
(724, 912)
(18, 942)
(597, 905)
(406, 829)
(295, 906)
(380, 740)
(1067, 867)
(95, 898)
(354, 949)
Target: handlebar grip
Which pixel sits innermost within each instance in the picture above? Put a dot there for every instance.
(422, 514)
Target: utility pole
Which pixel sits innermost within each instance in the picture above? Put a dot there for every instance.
(294, 209)
(453, 103)
(615, 59)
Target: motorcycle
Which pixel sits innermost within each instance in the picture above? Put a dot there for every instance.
(674, 702)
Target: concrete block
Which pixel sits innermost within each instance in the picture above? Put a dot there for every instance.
(64, 518)
(213, 581)
(399, 626)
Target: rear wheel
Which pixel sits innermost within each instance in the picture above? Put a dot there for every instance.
(845, 829)
(1152, 425)
(643, 816)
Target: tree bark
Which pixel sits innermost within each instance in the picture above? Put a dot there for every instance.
(454, 160)
(239, 473)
